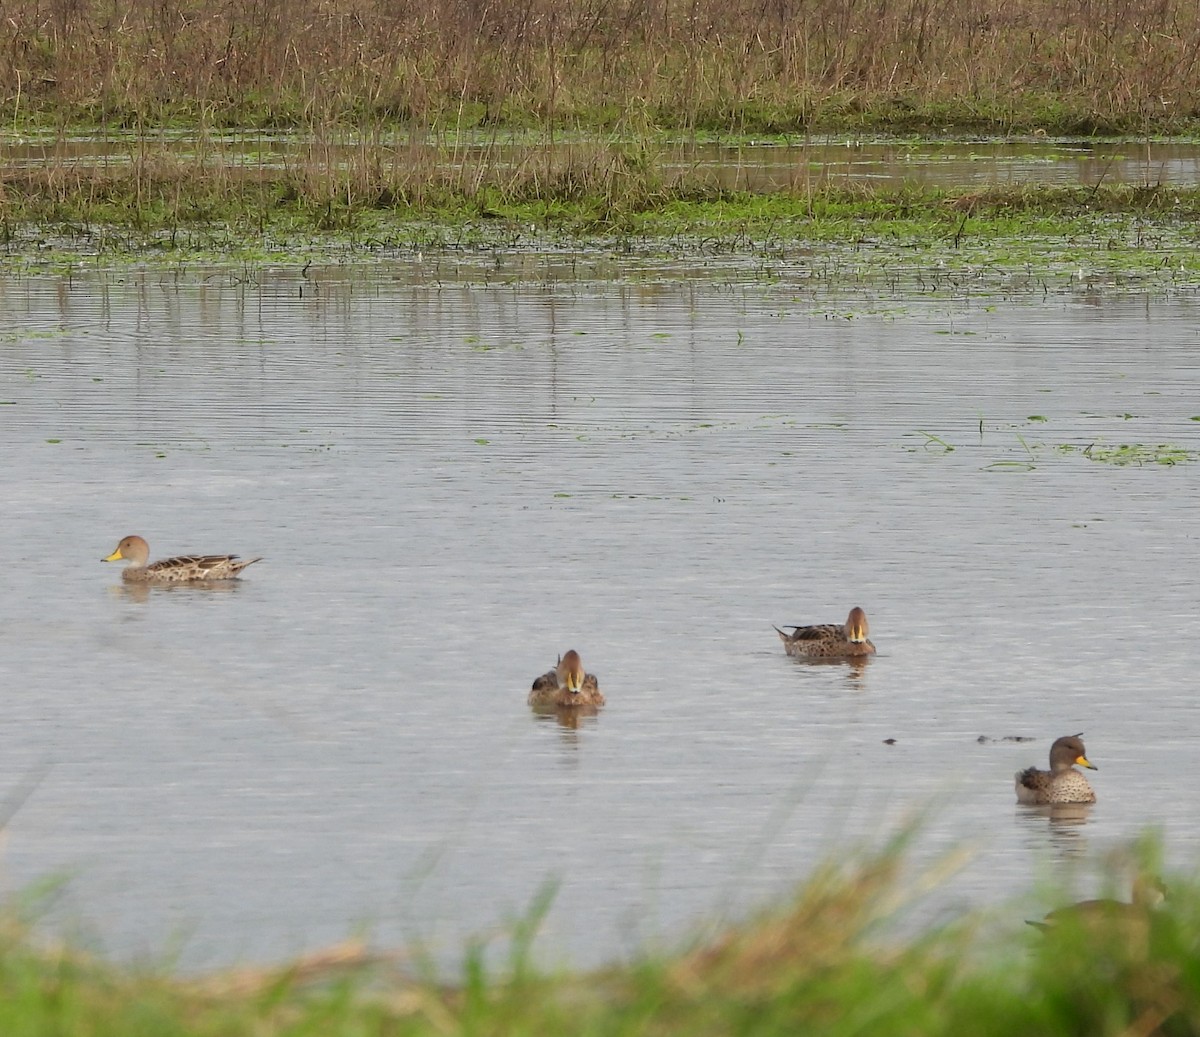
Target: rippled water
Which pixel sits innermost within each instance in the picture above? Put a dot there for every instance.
(950, 163)
(455, 475)
(756, 166)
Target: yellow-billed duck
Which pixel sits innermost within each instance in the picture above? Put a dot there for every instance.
(1062, 783)
(829, 640)
(135, 552)
(566, 685)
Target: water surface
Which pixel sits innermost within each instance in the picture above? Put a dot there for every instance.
(455, 475)
(760, 166)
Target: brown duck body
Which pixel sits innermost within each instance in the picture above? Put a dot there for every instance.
(1133, 918)
(830, 640)
(181, 569)
(1062, 783)
(567, 685)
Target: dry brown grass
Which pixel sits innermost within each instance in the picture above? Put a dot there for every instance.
(682, 63)
(333, 171)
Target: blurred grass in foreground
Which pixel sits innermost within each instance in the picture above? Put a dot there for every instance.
(823, 963)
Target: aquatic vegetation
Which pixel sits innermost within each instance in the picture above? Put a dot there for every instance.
(1036, 452)
(1015, 240)
(1123, 454)
(1139, 454)
(1010, 466)
(935, 444)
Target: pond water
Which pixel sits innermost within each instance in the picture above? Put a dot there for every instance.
(950, 164)
(456, 471)
(754, 166)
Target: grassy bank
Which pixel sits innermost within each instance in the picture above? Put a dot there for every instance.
(613, 198)
(465, 123)
(726, 66)
(816, 965)
(587, 184)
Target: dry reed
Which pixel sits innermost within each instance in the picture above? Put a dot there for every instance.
(779, 64)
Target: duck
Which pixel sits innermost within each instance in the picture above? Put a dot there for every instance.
(135, 552)
(1147, 894)
(830, 640)
(566, 685)
(1062, 783)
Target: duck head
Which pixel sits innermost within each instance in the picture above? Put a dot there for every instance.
(570, 672)
(1067, 752)
(131, 549)
(856, 626)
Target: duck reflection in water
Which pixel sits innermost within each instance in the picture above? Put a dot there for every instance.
(852, 667)
(567, 717)
(141, 592)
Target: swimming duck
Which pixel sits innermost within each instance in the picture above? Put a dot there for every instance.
(1062, 783)
(566, 685)
(1148, 892)
(181, 569)
(829, 640)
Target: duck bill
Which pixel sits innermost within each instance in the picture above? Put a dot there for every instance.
(116, 556)
(1083, 761)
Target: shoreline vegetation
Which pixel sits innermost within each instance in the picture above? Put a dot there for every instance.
(1040, 239)
(820, 963)
(570, 119)
(1087, 67)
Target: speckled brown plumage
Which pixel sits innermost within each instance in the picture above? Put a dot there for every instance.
(830, 640)
(181, 569)
(1062, 783)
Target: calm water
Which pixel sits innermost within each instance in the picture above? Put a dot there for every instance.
(455, 475)
(747, 166)
(950, 163)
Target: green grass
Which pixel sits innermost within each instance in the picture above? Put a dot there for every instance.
(371, 188)
(827, 962)
(867, 111)
(618, 198)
